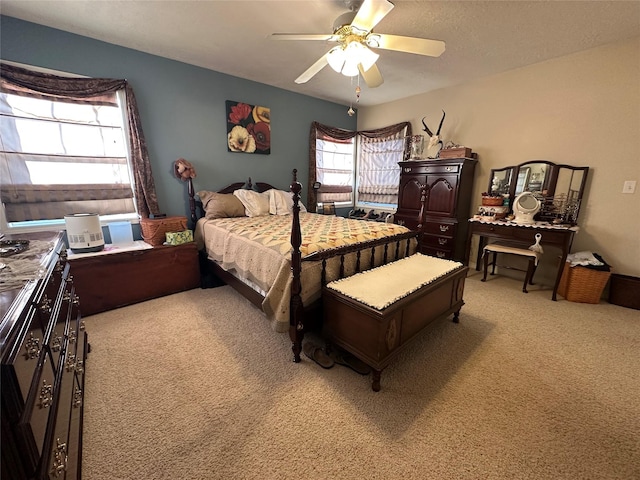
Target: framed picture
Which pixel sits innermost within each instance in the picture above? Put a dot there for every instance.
(248, 128)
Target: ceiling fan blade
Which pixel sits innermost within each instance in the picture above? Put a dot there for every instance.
(313, 69)
(370, 14)
(303, 36)
(372, 77)
(419, 46)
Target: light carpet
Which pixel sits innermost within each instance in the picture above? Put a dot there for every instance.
(196, 385)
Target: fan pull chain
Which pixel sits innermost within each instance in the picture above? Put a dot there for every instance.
(351, 112)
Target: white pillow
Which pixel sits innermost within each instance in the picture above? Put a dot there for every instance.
(281, 202)
(255, 204)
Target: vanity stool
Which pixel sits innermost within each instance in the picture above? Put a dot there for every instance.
(512, 249)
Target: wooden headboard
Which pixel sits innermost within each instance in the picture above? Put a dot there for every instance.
(196, 205)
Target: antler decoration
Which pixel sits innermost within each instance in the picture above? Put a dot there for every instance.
(434, 139)
(426, 129)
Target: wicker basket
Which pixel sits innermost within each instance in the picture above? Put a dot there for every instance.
(492, 201)
(583, 285)
(153, 230)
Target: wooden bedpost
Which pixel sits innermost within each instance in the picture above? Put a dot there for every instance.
(296, 308)
(192, 202)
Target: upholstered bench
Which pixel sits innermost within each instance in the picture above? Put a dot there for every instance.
(511, 249)
(374, 314)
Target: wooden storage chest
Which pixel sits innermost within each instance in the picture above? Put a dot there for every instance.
(115, 280)
(377, 336)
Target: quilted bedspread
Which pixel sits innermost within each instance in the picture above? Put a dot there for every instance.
(319, 232)
(258, 249)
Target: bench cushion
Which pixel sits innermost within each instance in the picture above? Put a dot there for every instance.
(382, 286)
(504, 247)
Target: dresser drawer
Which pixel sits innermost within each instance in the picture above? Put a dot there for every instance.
(517, 233)
(438, 242)
(58, 448)
(25, 357)
(409, 221)
(437, 252)
(447, 229)
(441, 168)
(528, 235)
(40, 402)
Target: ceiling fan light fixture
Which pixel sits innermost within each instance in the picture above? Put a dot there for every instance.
(345, 60)
(336, 58)
(367, 57)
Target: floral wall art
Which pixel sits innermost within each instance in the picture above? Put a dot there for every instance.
(248, 128)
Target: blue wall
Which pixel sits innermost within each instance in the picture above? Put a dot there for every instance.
(182, 108)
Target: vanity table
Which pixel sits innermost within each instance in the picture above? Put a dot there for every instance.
(559, 188)
(552, 236)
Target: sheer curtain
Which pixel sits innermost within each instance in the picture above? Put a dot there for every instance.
(17, 193)
(377, 157)
(379, 152)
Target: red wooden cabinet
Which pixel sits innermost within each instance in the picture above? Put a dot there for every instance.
(114, 280)
(447, 207)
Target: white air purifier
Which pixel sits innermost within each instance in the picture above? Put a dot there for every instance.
(84, 232)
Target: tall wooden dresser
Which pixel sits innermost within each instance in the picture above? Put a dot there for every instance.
(43, 348)
(449, 185)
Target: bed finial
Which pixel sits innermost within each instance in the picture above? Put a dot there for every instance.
(249, 184)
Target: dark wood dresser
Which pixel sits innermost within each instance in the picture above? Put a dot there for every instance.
(449, 185)
(44, 347)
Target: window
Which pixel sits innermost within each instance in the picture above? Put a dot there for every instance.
(70, 145)
(371, 165)
(378, 172)
(334, 170)
(61, 153)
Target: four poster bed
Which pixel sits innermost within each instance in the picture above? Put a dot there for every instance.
(262, 242)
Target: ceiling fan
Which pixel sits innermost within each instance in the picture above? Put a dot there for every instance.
(353, 33)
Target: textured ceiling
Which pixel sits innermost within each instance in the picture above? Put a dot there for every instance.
(482, 37)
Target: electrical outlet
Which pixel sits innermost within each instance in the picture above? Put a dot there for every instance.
(629, 186)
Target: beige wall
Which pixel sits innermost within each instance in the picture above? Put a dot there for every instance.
(582, 109)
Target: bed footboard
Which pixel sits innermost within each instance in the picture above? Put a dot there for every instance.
(393, 248)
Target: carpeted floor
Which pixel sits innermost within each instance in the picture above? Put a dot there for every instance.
(196, 386)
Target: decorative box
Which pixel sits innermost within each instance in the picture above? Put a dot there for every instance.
(178, 238)
(495, 212)
(492, 201)
(460, 152)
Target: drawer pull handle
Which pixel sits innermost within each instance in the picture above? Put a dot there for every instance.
(76, 300)
(77, 398)
(72, 336)
(59, 464)
(45, 305)
(56, 344)
(440, 254)
(66, 296)
(82, 326)
(71, 363)
(442, 241)
(444, 228)
(448, 169)
(46, 395)
(80, 366)
(33, 346)
(407, 169)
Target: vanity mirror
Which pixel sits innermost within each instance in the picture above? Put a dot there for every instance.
(558, 187)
